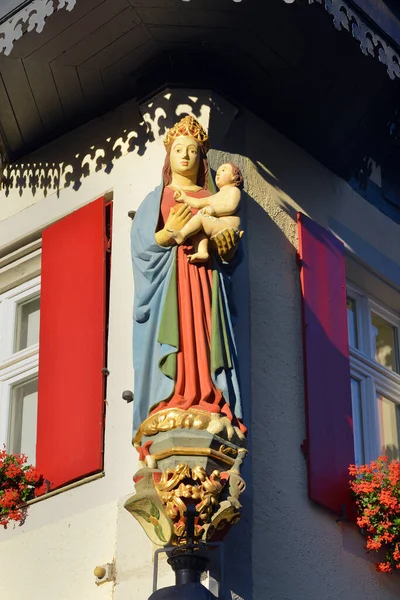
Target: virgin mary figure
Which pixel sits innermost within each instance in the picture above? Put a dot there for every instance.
(183, 344)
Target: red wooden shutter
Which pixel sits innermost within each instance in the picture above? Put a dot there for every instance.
(329, 444)
(72, 346)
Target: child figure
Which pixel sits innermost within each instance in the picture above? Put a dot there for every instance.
(217, 212)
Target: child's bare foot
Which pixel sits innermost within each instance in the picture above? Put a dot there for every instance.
(198, 257)
(178, 237)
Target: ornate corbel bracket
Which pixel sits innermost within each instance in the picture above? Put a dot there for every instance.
(184, 462)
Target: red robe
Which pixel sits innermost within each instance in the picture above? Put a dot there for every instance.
(194, 386)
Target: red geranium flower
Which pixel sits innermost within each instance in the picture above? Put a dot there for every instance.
(18, 484)
(376, 488)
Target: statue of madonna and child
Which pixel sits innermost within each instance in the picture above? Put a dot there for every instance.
(188, 425)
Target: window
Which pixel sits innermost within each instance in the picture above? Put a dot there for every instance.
(373, 332)
(19, 361)
(53, 326)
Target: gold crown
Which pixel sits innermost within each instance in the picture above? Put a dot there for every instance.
(187, 127)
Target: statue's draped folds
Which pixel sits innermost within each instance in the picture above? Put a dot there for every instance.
(187, 416)
(156, 320)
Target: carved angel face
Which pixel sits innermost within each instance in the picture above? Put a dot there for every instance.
(185, 157)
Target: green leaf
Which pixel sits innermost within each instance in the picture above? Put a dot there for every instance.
(154, 511)
(159, 533)
(142, 513)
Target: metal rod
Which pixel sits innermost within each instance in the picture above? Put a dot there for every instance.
(190, 514)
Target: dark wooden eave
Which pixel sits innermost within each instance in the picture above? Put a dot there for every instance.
(383, 15)
(285, 62)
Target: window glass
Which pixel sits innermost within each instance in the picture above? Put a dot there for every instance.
(389, 426)
(358, 420)
(27, 324)
(23, 419)
(384, 344)
(352, 323)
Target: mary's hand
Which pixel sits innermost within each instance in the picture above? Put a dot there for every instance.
(226, 243)
(177, 218)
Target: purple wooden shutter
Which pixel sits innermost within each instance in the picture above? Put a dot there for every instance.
(329, 444)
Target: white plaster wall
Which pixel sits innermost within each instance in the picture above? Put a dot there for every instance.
(285, 548)
(56, 559)
(54, 553)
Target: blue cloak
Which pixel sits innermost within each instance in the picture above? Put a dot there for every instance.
(154, 269)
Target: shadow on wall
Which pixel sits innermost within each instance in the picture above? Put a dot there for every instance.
(238, 553)
(44, 176)
(97, 145)
(391, 451)
(298, 548)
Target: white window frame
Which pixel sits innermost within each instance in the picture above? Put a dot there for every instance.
(373, 377)
(15, 367)
(9, 302)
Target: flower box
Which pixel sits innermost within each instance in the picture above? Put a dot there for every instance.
(19, 482)
(376, 488)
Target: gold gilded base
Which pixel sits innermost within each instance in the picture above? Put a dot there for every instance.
(176, 418)
(162, 497)
(183, 484)
(187, 457)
